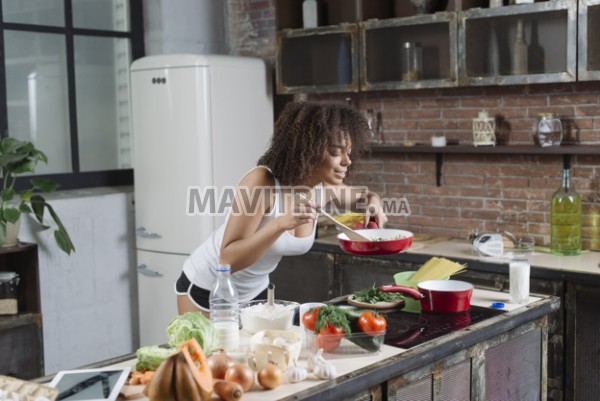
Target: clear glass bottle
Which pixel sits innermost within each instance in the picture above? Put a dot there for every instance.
(412, 61)
(565, 218)
(224, 309)
(548, 130)
(519, 59)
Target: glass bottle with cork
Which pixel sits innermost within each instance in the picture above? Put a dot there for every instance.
(565, 217)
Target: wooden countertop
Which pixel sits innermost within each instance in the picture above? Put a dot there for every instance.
(350, 367)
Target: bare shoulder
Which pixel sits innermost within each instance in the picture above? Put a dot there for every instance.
(258, 177)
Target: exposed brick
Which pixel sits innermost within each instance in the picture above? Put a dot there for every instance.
(573, 99)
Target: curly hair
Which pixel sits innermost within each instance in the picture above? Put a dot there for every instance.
(303, 134)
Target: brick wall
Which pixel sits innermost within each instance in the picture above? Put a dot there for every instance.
(484, 192)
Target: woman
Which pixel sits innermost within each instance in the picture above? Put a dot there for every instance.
(275, 208)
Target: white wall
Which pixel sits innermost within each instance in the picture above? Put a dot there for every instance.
(89, 299)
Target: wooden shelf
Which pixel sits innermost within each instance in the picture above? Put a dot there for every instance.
(566, 151)
(496, 150)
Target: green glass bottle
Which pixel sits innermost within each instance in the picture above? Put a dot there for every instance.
(565, 218)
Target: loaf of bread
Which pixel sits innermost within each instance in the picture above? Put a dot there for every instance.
(16, 389)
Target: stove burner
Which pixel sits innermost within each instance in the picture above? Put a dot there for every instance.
(406, 330)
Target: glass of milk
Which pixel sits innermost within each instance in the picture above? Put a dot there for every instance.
(519, 270)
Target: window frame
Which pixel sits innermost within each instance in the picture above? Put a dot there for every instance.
(75, 179)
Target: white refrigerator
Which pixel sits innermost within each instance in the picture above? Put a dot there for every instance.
(199, 121)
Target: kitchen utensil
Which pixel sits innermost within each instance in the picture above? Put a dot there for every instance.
(352, 234)
(489, 244)
(270, 310)
(386, 242)
(378, 305)
(438, 296)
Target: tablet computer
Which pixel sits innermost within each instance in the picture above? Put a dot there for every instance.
(90, 384)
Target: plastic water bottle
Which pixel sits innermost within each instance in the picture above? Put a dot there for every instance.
(224, 309)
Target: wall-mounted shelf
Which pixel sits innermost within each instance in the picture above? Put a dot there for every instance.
(566, 151)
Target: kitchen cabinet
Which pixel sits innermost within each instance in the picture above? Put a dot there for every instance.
(588, 47)
(468, 44)
(487, 37)
(21, 342)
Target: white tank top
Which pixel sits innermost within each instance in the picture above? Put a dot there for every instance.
(200, 266)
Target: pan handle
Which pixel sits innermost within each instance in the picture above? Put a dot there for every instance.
(411, 292)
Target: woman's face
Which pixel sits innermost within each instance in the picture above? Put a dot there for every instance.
(336, 161)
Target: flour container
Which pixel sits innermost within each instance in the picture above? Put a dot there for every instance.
(8, 293)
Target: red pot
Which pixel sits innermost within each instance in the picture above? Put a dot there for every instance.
(392, 242)
(438, 295)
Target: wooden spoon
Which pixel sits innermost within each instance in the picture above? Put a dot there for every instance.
(353, 235)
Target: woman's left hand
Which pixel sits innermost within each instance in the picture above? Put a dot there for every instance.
(374, 211)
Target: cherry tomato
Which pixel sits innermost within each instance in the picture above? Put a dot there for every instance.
(329, 337)
(309, 319)
(372, 324)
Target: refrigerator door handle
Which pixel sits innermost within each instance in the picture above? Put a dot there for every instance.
(142, 232)
(143, 269)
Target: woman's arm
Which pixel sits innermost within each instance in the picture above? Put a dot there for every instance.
(243, 241)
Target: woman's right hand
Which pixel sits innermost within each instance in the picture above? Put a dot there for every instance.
(302, 212)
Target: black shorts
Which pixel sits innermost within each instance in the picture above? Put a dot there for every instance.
(199, 296)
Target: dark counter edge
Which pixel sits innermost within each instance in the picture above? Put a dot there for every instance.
(355, 382)
(473, 264)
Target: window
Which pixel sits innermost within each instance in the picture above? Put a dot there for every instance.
(64, 85)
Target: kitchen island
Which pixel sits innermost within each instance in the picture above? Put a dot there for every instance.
(574, 339)
(504, 355)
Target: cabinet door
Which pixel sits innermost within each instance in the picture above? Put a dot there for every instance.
(489, 40)
(384, 54)
(588, 65)
(157, 273)
(318, 60)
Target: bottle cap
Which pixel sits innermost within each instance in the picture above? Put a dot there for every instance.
(497, 305)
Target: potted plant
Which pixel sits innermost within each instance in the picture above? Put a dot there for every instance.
(18, 157)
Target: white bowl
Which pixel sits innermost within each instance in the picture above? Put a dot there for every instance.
(257, 315)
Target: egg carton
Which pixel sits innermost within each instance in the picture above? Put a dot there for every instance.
(12, 389)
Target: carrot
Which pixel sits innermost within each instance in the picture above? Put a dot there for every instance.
(228, 390)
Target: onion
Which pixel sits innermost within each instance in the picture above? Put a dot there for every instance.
(242, 374)
(219, 362)
(270, 376)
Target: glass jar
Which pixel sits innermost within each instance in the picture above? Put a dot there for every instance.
(548, 130)
(8, 293)
(411, 61)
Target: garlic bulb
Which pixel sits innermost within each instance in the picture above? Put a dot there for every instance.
(314, 360)
(325, 371)
(296, 374)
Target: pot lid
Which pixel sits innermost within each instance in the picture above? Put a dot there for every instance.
(7, 276)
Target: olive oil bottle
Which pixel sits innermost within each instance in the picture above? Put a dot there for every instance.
(565, 218)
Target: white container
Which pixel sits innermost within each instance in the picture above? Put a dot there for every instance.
(310, 13)
(519, 271)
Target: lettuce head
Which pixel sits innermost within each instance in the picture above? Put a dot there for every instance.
(193, 325)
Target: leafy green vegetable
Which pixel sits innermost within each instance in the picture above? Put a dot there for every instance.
(331, 314)
(193, 325)
(151, 356)
(373, 295)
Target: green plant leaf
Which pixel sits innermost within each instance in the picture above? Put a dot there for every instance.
(7, 194)
(2, 232)
(43, 184)
(24, 208)
(26, 195)
(23, 166)
(38, 204)
(11, 214)
(63, 241)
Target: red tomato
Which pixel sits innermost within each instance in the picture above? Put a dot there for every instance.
(371, 323)
(372, 224)
(329, 337)
(309, 319)
(355, 225)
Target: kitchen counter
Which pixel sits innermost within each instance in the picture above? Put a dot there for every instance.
(392, 369)
(585, 266)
